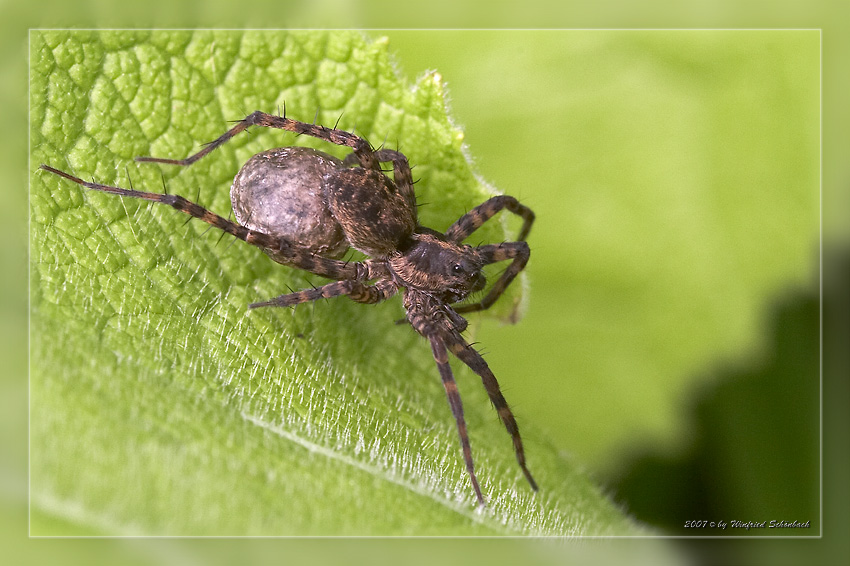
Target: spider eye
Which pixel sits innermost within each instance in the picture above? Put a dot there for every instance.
(457, 269)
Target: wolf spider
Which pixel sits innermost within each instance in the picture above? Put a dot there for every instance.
(376, 214)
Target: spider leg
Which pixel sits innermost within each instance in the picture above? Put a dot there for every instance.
(467, 354)
(438, 348)
(355, 290)
(518, 252)
(475, 218)
(458, 322)
(284, 251)
(361, 147)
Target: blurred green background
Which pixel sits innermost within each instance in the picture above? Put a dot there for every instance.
(766, 320)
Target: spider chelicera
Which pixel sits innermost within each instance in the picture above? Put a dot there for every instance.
(305, 208)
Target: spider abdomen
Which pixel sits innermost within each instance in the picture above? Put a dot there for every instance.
(280, 192)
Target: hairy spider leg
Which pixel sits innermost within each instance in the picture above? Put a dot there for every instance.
(294, 256)
(355, 290)
(467, 354)
(438, 348)
(491, 253)
(361, 147)
(518, 251)
(475, 218)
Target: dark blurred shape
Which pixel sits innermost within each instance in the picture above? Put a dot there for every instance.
(756, 450)
(755, 455)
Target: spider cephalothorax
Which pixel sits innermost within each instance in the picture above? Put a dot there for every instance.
(304, 208)
(431, 264)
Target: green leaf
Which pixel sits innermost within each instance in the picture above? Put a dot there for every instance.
(159, 403)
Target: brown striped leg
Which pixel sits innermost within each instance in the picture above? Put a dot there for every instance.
(465, 353)
(458, 322)
(355, 290)
(475, 218)
(285, 252)
(442, 358)
(518, 252)
(361, 147)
